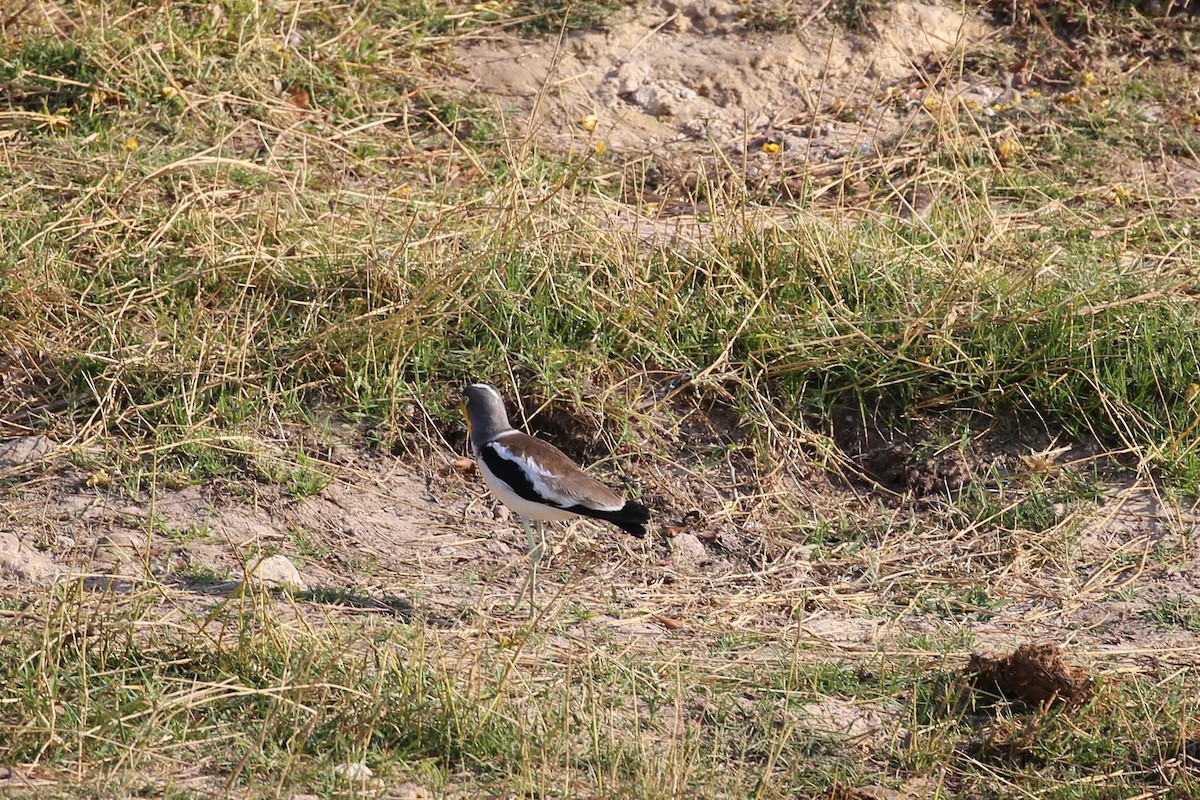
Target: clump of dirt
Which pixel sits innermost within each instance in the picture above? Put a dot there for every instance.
(1033, 673)
(902, 468)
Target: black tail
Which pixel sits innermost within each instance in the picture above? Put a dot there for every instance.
(631, 518)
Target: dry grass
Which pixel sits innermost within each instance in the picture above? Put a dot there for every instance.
(238, 237)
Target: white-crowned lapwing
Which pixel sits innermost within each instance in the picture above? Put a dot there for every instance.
(536, 480)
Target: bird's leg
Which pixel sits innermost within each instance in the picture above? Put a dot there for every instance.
(535, 551)
(529, 540)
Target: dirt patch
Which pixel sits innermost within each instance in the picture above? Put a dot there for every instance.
(21, 562)
(1033, 673)
(678, 77)
(871, 726)
(421, 540)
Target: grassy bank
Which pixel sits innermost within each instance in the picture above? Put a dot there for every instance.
(223, 219)
(255, 702)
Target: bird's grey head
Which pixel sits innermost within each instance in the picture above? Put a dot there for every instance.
(486, 418)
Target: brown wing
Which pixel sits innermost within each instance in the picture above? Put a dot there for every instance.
(553, 476)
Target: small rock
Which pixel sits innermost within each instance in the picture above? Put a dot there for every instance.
(24, 449)
(796, 141)
(277, 572)
(689, 548)
(22, 563)
(497, 547)
(357, 772)
(661, 99)
(630, 77)
(501, 513)
(410, 791)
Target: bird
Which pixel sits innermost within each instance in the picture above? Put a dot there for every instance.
(536, 480)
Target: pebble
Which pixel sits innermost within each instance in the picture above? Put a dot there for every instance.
(277, 572)
(24, 449)
(689, 548)
(353, 771)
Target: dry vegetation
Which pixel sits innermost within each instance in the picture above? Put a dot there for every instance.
(909, 406)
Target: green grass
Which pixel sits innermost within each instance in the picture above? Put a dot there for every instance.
(219, 228)
(1097, 348)
(1177, 612)
(244, 695)
(136, 703)
(267, 303)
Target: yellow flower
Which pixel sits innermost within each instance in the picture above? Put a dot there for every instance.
(599, 147)
(771, 147)
(132, 144)
(1008, 149)
(589, 122)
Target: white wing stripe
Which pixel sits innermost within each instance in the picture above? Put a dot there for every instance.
(537, 475)
(550, 489)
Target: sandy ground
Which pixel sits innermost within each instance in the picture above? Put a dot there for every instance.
(427, 543)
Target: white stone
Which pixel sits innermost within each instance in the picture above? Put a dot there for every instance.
(353, 771)
(277, 572)
(689, 548)
(23, 449)
(22, 563)
(630, 77)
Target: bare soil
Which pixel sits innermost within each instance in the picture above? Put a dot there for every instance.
(698, 76)
(689, 86)
(421, 539)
